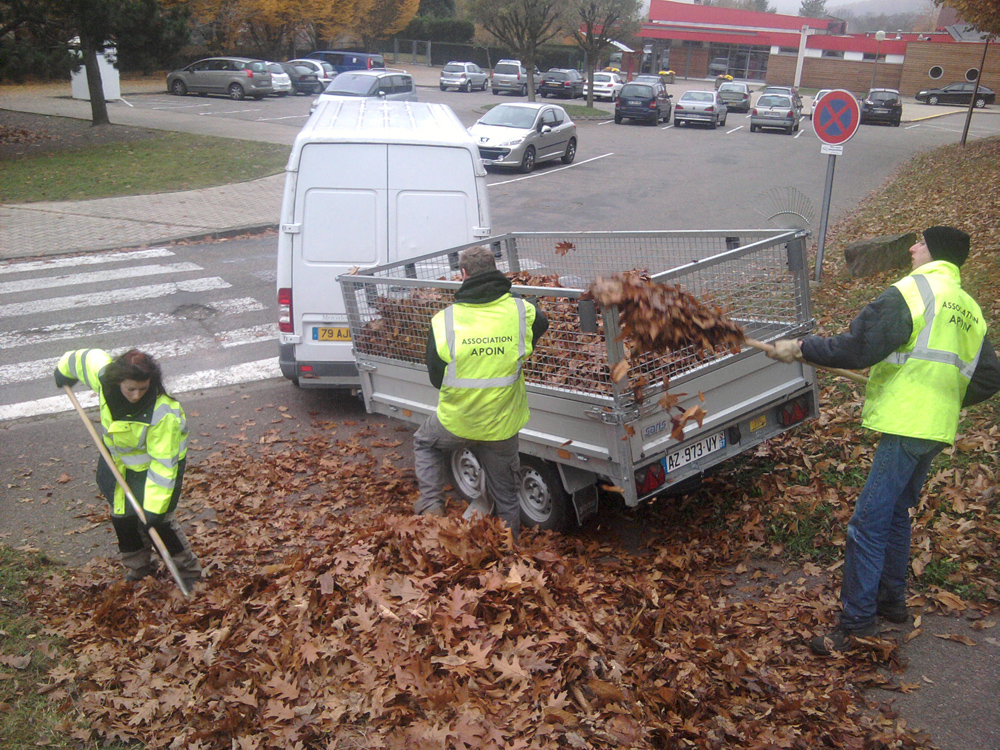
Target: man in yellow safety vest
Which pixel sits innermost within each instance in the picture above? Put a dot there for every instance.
(475, 350)
(925, 340)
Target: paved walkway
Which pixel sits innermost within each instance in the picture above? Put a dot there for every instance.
(42, 229)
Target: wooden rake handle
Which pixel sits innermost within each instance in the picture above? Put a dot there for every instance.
(857, 377)
(153, 533)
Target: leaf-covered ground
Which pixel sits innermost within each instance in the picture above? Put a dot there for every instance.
(331, 618)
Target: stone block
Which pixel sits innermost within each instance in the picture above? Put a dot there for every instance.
(879, 254)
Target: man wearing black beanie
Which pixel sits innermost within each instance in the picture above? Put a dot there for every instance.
(925, 340)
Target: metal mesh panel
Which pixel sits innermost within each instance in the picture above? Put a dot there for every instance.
(748, 274)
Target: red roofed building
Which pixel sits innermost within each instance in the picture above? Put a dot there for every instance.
(808, 52)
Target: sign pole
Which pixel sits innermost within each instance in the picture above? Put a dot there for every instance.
(831, 165)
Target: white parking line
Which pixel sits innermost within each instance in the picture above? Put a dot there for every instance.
(230, 112)
(289, 117)
(606, 122)
(667, 127)
(550, 171)
(184, 106)
(738, 127)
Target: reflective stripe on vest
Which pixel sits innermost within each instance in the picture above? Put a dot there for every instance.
(452, 380)
(921, 350)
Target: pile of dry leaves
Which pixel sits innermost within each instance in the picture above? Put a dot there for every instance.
(332, 618)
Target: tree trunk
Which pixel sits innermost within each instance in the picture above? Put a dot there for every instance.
(98, 107)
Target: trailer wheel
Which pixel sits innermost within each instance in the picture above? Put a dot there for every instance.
(465, 471)
(544, 502)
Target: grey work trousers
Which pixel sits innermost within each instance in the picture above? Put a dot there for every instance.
(433, 445)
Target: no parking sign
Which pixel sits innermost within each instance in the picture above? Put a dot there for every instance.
(836, 117)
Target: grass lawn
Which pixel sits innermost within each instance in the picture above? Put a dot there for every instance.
(159, 162)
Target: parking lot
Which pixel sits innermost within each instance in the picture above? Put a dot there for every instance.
(637, 177)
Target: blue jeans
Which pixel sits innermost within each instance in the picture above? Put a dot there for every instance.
(878, 534)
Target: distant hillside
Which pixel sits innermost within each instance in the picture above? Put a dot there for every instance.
(879, 7)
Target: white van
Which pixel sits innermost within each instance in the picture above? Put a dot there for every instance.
(368, 182)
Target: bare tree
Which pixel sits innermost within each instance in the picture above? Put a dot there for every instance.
(522, 26)
(599, 22)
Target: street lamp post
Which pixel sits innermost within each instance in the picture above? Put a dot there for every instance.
(879, 36)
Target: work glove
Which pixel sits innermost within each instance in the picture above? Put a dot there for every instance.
(786, 350)
(62, 380)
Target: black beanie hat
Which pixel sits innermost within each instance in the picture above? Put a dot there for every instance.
(947, 243)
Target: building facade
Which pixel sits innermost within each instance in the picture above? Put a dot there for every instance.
(696, 40)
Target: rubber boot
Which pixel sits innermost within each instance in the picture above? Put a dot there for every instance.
(137, 564)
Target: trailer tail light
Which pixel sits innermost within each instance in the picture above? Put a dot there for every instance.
(285, 311)
(794, 411)
(649, 479)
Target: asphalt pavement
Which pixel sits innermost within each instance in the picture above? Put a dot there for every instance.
(58, 228)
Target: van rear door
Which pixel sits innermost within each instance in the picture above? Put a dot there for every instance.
(341, 228)
(433, 199)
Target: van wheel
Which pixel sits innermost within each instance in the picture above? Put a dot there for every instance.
(177, 88)
(544, 502)
(528, 162)
(236, 92)
(570, 154)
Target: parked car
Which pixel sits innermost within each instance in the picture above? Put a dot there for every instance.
(464, 76)
(561, 82)
(304, 79)
(786, 91)
(819, 95)
(775, 111)
(719, 66)
(510, 75)
(882, 105)
(385, 83)
(736, 95)
(646, 102)
(957, 93)
(606, 86)
(281, 82)
(522, 135)
(235, 77)
(323, 70)
(344, 61)
(649, 78)
(700, 106)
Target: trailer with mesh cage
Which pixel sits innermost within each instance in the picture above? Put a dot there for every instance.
(589, 433)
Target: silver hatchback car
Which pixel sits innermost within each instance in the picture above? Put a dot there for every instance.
(235, 77)
(382, 83)
(700, 106)
(464, 76)
(775, 111)
(525, 134)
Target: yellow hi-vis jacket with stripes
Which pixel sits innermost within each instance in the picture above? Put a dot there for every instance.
(483, 396)
(156, 446)
(917, 390)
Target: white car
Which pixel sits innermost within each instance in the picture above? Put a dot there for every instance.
(323, 70)
(819, 95)
(281, 83)
(523, 135)
(606, 86)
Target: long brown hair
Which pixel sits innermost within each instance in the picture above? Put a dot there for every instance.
(138, 366)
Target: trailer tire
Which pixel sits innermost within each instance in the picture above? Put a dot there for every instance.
(544, 502)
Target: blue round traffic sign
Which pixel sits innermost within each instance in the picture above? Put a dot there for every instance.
(836, 117)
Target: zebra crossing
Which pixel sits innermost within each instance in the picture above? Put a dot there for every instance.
(202, 330)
